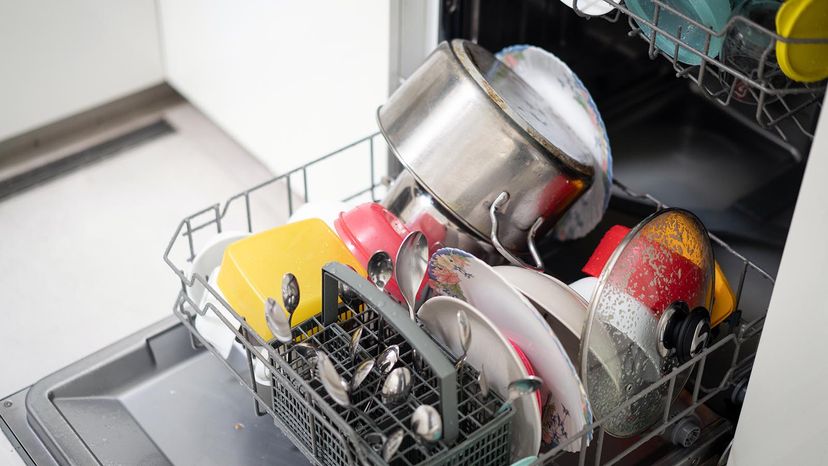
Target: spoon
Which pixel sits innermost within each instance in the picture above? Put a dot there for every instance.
(483, 382)
(380, 269)
(355, 342)
(335, 385)
(290, 294)
(361, 373)
(308, 350)
(427, 424)
(277, 321)
(385, 446)
(412, 261)
(464, 328)
(385, 362)
(392, 444)
(347, 293)
(396, 386)
(519, 388)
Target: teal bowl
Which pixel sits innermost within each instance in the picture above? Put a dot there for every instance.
(714, 14)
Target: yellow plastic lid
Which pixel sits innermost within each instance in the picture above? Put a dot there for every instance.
(252, 269)
(803, 19)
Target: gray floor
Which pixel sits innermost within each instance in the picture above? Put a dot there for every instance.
(81, 255)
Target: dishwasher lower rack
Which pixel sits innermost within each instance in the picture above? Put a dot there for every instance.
(725, 364)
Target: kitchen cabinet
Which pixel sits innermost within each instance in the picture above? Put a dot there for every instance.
(58, 59)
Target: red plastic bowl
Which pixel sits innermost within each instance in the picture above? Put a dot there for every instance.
(368, 228)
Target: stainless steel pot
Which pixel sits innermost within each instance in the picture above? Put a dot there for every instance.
(419, 211)
(486, 146)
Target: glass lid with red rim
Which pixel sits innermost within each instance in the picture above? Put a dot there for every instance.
(648, 315)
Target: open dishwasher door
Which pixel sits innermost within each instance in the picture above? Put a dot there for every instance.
(150, 399)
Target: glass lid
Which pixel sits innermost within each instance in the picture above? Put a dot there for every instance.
(648, 315)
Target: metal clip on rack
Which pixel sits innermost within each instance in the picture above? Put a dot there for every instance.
(783, 106)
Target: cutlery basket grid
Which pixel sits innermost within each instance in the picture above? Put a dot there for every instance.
(484, 436)
(305, 407)
(783, 106)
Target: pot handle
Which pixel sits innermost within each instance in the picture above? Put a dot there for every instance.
(530, 237)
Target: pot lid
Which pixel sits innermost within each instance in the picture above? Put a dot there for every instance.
(524, 106)
(648, 315)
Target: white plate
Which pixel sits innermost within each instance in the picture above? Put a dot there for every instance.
(591, 7)
(456, 273)
(439, 316)
(550, 294)
(562, 89)
(565, 308)
(206, 264)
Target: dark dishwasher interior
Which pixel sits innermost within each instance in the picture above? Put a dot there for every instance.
(666, 138)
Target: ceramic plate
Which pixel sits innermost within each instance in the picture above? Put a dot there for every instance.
(503, 364)
(553, 296)
(456, 273)
(560, 86)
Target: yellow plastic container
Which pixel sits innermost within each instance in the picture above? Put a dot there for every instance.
(803, 19)
(252, 269)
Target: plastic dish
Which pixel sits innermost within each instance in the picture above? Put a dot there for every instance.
(252, 269)
(714, 14)
(206, 261)
(368, 228)
(803, 19)
(560, 86)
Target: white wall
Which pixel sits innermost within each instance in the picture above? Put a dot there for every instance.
(783, 419)
(58, 58)
(289, 80)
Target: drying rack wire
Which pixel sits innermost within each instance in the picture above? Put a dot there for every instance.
(783, 106)
(737, 347)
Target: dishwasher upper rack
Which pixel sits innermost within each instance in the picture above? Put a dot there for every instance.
(738, 346)
(783, 106)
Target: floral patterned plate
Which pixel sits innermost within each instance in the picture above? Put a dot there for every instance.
(456, 273)
(439, 316)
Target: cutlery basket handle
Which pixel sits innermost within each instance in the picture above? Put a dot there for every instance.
(398, 318)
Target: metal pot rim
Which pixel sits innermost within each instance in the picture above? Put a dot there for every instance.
(458, 49)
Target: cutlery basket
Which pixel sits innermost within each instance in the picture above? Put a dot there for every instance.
(473, 430)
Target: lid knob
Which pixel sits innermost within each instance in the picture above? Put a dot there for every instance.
(683, 333)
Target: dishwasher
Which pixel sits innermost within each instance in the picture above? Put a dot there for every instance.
(726, 144)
